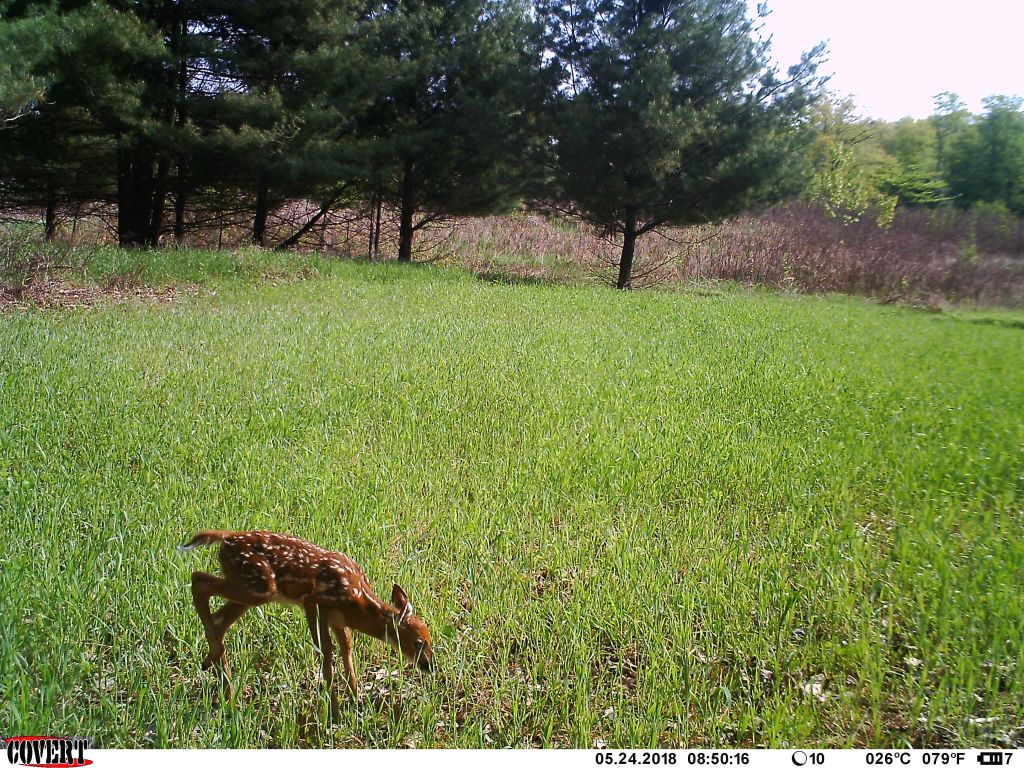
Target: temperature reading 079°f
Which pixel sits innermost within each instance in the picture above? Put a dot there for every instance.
(943, 758)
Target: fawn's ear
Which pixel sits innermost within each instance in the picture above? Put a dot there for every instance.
(401, 601)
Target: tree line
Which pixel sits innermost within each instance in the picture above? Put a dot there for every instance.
(632, 114)
(953, 157)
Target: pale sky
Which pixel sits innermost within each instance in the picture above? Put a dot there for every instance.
(893, 56)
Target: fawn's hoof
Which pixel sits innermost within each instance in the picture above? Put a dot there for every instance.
(211, 660)
(213, 657)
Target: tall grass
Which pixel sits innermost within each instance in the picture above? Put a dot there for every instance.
(935, 257)
(922, 257)
(634, 519)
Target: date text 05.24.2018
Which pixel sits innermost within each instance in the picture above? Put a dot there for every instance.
(608, 757)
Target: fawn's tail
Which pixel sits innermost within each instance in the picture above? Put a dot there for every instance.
(205, 539)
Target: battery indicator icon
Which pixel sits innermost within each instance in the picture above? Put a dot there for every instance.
(991, 758)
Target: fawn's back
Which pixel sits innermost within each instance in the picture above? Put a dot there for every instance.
(292, 569)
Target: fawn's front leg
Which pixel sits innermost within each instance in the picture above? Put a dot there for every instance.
(327, 669)
(344, 635)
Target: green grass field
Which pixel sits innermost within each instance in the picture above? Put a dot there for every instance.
(719, 518)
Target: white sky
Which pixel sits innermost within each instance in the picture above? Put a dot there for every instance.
(893, 56)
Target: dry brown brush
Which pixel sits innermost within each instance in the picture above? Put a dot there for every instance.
(925, 256)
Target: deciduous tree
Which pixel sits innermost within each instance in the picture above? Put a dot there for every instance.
(986, 161)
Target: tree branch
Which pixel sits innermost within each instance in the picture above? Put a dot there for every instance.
(294, 239)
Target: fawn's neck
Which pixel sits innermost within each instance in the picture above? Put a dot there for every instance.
(373, 617)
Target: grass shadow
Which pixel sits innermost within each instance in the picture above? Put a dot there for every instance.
(511, 278)
(998, 322)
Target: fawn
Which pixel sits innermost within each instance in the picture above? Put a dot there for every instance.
(262, 567)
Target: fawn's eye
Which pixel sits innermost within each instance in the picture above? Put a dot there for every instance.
(419, 644)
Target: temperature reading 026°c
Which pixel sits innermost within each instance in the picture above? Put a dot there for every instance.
(887, 758)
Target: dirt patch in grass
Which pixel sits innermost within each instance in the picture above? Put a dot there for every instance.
(57, 294)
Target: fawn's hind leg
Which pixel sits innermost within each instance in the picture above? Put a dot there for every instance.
(309, 607)
(227, 615)
(205, 586)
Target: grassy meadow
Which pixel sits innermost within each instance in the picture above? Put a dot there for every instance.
(700, 517)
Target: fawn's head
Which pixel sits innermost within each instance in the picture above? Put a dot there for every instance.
(409, 633)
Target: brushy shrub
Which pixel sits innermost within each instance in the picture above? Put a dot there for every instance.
(801, 248)
(27, 261)
(22, 260)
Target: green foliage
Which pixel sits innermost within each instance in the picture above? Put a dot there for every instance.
(949, 119)
(632, 115)
(650, 519)
(94, 71)
(848, 159)
(147, 100)
(986, 159)
(846, 190)
(100, 118)
(23, 44)
(861, 165)
(911, 143)
(290, 88)
(911, 185)
(912, 176)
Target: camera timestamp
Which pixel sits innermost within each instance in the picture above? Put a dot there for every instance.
(709, 758)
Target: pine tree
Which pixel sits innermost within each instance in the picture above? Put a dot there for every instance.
(136, 102)
(449, 133)
(24, 43)
(62, 148)
(667, 113)
(284, 77)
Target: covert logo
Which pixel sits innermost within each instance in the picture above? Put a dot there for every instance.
(46, 751)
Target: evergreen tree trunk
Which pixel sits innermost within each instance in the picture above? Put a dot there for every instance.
(369, 243)
(156, 220)
(134, 196)
(625, 281)
(179, 206)
(50, 222)
(405, 230)
(181, 164)
(376, 229)
(259, 227)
